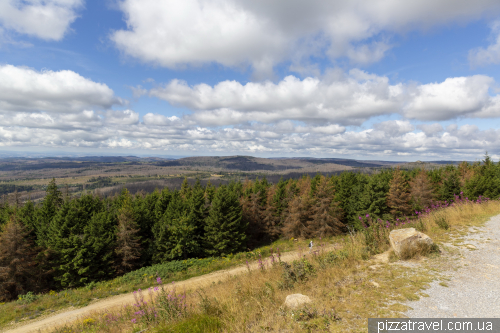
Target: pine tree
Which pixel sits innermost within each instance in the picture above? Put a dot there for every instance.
(225, 231)
(421, 190)
(299, 211)
(18, 268)
(374, 197)
(398, 199)
(128, 242)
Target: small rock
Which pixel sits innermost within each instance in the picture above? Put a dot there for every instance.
(405, 239)
(375, 284)
(374, 267)
(470, 246)
(296, 300)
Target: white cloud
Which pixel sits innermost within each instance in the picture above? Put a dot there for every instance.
(126, 117)
(491, 55)
(262, 33)
(346, 99)
(336, 98)
(24, 89)
(45, 19)
(455, 97)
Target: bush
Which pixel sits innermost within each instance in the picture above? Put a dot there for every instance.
(442, 222)
(165, 269)
(299, 272)
(29, 297)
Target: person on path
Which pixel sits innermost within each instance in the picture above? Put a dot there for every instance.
(310, 246)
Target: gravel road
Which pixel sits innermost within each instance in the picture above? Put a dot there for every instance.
(474, 288)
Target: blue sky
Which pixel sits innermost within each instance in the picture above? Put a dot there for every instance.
(377, 79)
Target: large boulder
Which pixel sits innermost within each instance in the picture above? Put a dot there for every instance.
(408, 241)
(295, 301)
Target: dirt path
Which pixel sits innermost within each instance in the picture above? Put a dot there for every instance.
(120, 300)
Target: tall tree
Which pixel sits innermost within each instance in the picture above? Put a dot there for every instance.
(128, 241)
(18, 268)
(398, 199)
(421, 190)
(326, 213)
(225, 231)
(51, 203)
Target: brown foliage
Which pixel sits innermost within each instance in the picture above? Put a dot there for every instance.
(313, 215)
(128, 241)
(398, 199)
(326, 213)
(421, 190)
(18, 268)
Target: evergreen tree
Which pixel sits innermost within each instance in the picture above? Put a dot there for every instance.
(374, 197)
(176, 232)
(398, 198)
(185, 189)
(51, 203)
(348, 191)
(421, 190)
(326, 213)
(18, 268)
(299, 211)
(485, 182)
(451, 186)
(66, 239)
(128, 241)
(225, 232)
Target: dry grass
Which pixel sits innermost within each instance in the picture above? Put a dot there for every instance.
(344, 289)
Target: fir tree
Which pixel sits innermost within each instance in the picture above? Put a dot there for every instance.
(398, 199)
(224, 229)
(451, 186)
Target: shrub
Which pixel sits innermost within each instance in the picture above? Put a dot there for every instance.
(442, 222)
(29, 297)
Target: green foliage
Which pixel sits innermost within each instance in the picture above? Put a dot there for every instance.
(29, 297)
(165, 269)
(225, 231)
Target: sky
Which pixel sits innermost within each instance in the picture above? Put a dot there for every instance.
(373, 80)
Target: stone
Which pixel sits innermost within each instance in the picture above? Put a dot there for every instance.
(295, 301)
(472, 247)
(408, 239)
(375, 284)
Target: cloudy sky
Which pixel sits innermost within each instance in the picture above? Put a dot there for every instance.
(371, 79)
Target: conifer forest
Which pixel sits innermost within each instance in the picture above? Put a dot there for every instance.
(68, 241)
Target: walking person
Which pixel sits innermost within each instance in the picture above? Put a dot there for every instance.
(310, 246)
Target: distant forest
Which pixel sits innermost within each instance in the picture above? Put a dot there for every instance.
(65, 242)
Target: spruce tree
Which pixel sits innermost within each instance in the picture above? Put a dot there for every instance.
(326, 213)
(398, 198)
(225, 231)
(374, 197)
(66, 239)
(451, 186)
(50, 206)
(421, 190)
(128, 241)
(18, 268)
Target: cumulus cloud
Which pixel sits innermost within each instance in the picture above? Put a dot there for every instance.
(45, 19)
(336, 98)
(345, 99)
(262, 33)
(452, 98)
(490, 55)
(24, 89)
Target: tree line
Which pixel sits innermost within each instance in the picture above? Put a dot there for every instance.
(66, 242)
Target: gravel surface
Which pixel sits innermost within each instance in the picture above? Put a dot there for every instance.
(474, 288)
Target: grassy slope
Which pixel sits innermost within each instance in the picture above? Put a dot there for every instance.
(45, 304)
(344, 288)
